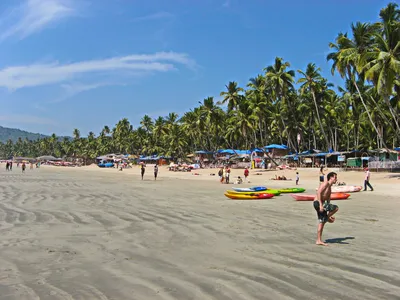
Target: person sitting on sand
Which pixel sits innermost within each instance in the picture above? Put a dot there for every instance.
(325, 210)
(239, 180)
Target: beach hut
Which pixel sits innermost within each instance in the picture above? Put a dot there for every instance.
(203, 157)
(48, 158)
(277, 150)
(20, 159)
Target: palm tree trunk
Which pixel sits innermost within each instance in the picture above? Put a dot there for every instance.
(261, 131)
(368, 113)
(319, 119)
(392, 112)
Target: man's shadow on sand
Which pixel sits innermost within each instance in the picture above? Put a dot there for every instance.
(340, 240)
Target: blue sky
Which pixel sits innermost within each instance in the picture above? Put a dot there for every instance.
(83, 64)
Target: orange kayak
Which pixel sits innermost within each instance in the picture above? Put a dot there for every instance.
(334, 196)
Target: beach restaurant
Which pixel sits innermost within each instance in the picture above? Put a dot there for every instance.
(155, 159)
(20, 159)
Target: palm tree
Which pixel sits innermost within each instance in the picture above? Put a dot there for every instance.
(76, 133)
(121, 135)
(232, 95)
(280, 80)
(347, 55)
(313, 82)
(382, 63)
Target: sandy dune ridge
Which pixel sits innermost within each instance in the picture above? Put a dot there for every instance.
(90, 234)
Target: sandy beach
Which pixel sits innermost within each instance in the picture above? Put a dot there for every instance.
(90, 233)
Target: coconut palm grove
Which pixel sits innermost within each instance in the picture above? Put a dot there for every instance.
(298, 108)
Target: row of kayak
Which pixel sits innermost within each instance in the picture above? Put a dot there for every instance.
(259, 192)
(271, 193)
(335, 189)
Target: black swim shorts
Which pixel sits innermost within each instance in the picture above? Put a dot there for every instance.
(321, 178)
(323, 216)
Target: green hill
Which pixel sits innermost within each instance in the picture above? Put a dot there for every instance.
(14, 134)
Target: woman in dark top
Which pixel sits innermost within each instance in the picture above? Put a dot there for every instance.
(321, 174)
(142, 170)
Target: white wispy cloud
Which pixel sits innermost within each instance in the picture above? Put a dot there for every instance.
(73, 89)
(155, 16)
(33, 16)
(17, 77)
(25, 119)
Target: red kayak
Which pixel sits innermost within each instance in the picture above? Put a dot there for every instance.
(334, 196)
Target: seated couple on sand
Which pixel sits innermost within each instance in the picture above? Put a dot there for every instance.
(283, 177)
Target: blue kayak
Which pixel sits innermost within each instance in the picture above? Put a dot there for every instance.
(251, 189)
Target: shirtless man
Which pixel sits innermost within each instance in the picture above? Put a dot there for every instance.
(325, 210)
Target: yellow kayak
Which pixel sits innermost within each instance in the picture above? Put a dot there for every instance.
(273, 192)
(240, 196)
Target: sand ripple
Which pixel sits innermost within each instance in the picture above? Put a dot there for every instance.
(67, 235)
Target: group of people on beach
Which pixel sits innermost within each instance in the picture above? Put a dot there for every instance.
(9, 165)
(225, 172)
(143, 170)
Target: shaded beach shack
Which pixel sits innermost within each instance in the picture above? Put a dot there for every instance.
(385, 154)
(306, 157)
(20, 159)
(241, 158)
(275, 152)
(155, 159)
(203, 157)
(45, 158)
(330, 158)
(384, 160)
(224, 154)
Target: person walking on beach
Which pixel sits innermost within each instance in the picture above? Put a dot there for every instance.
(7, 166)
(246, 174)
(228, 173)
(23, 167)
(321, 175)
(325, 210)
(297, 178)
(142, 170)
(221, 174)
(155, 171)
(366, 180)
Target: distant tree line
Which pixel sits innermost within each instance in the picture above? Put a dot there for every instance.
(361, 114)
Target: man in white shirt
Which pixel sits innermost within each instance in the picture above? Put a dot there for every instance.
(366, 180)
